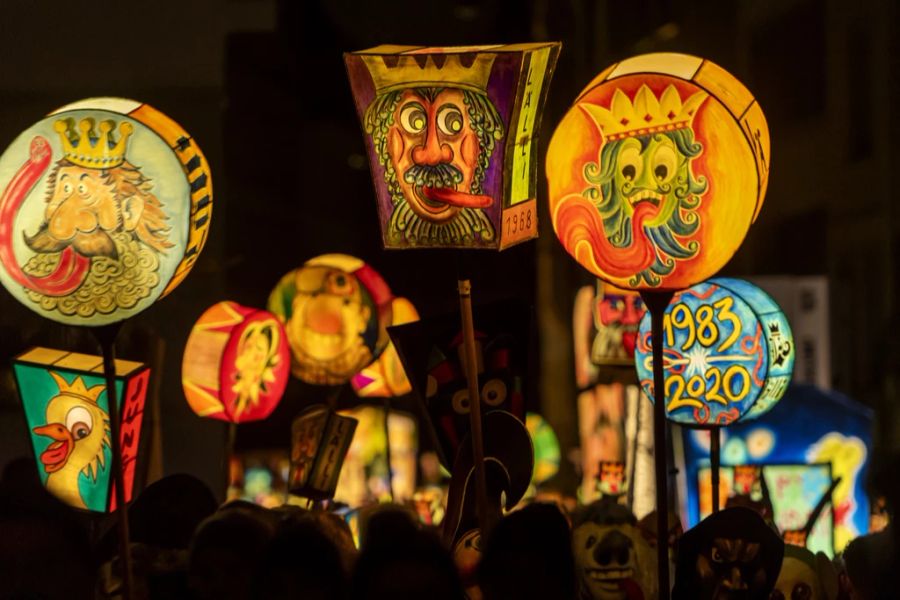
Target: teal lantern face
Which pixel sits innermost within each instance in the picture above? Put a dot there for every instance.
(728, 354)
(67, 411)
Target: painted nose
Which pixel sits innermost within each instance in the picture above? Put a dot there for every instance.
(613, 550)
(432, 152)
(54, 431)
(734, 581)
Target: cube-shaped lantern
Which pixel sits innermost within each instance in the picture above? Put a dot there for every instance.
(451, 136)
(67, 410)
(320, 439)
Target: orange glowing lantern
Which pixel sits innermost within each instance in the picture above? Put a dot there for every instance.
(657, 171)
(336, 310)
(386, 377)
(236, 363)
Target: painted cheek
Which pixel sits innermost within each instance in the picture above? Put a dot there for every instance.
(468, 152)
(396, 148)
(107, 216)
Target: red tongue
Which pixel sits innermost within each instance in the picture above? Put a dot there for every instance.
(456, 198)
(628, 340)
(55, 453)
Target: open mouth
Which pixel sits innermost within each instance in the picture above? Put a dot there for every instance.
(650, 196)
(610, 574)
(54, 457)
(425, 194)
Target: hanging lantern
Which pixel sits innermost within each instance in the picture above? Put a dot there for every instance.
(320, 439)
(657, 171)
(105, 207)
(236, 363)
(386, 378)
(335, 309)
(452, 140)
(66, 407)
(728, 353)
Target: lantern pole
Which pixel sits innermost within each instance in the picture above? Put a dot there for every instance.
(715, 441)
(106, 336)
(387, 445)
(656, 303)
(230, 437)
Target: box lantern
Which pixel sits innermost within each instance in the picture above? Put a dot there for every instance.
(617, 314)
(728, 353)
(657, 171)
(105, 207)
(452, 140)
(386, 378)
(67, 411)
(320, 439)
(236, 363)
(335, 309)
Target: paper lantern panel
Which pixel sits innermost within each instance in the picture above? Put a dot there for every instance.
(236, 363)
(726, 346)
(452, 140)
(336, 310)
(320, 439)
(67, 411)
(105, 207)
(657, 171)
(386, 378)
(546, 448)
(617, 316)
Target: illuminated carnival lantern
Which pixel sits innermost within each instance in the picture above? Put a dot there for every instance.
(728, 354)
(655, 175)
(320, 439)
(236, 363)
(335, 309)
(386, 378)
(69, 422)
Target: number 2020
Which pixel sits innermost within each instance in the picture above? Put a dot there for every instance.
(720, 388)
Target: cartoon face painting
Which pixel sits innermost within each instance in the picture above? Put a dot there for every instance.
(255, 363)
(96, 217)
(617, 318)
(435, 142)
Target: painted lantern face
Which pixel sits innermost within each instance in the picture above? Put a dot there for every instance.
(657, 171)
(617, 315)
(336, 309)
(727, 353)
(105, 207)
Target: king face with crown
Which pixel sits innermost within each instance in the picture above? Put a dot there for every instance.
(100, 215)
(434, 130)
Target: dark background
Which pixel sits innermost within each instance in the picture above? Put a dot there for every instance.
(261, 86)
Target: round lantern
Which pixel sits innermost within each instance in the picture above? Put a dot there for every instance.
(236, 363)
(657, 171)
(105, 206)
(336, 310)
(728, 353)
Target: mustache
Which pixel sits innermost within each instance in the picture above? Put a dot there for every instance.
(94, 243)
(443, 175)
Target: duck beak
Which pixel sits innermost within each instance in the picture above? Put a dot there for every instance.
(57, 453)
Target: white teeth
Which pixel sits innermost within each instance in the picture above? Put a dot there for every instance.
(605, 574)
(645, 195)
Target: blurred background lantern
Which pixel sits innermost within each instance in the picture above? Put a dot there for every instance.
(657, 171)
(335, 309)
(236, 363)
(105, 208)
(452, 140)
(68, 416)
(546, 448)
(320, 439)
(727, 347)
(386, 378)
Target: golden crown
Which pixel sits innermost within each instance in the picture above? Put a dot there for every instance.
(437, 69)
(646, 114)
(89, 150)
(77, 388)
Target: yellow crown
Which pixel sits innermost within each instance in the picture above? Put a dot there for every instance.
(646, 114)
(92, 151)
(77, 388)
(437, 69)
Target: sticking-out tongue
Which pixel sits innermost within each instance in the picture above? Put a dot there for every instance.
(628, 340)
(457, 198)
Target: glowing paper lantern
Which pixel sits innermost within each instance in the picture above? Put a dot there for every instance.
(66, 407)
(336, 310)
(105, 207)
(385, 377)
(657, 171)
(617, 314)
(320, 439)
(236, 363)
(728, 353)
(546, 448)
(451, 135)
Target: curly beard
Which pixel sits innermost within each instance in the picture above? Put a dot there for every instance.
(111, 283)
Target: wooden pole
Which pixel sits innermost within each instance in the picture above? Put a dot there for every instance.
(465, 308)
(656, 303)
(387, 445)
(106, 336)
(715, 441)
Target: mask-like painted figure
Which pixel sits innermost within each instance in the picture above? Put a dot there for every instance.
(617, 318)
(805, 576)
(612, 559)
(730, 554)
(611, 480)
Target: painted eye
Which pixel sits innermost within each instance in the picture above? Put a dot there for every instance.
(67, 188)
(630, 163)
(79, 422)
(717, 556)
(82, 189)
(460, 402)
(801, 591)
(339, 284)
(413, 118)
(664, 162)
(590, 541)
(494, 392)
(449, 119)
